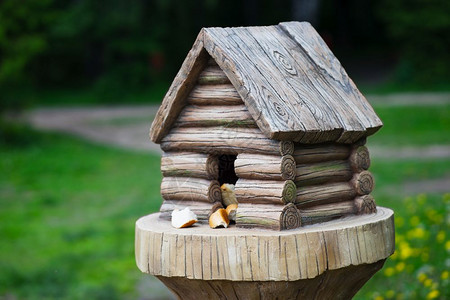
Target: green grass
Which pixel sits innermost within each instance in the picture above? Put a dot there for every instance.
(67, 211)
(415, 125)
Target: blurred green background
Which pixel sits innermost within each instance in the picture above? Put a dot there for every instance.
(68, 206)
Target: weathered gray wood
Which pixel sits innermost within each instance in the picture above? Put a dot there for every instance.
(305, 154)
(188, 164)
(223, 94)
(262, 86)
(265, 191)
(236, 254)
(260, 166)
(323, 194)
(335, 284)
(326, 212)
(324, 172)
(333, 76)
(200, 208)
(213, 75)
(287, 147)
(215, 115)
(268, 216)
(363, 183)
(183, 83)
(365, 205)
(228, 140)
(360, 159)
(190, 189)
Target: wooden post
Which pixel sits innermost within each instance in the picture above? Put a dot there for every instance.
(320, 261)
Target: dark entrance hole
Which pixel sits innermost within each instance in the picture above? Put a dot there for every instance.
(226, 169)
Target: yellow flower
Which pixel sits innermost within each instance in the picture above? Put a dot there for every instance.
(390, 294)
(447, 245)
(433, 294)
(405, 250)
(416, 233)
(414, 221)
(399, 222)
(389, 272)
(379, 298)
(399, 296)
(444, 275)
(400, 266)
(428, 282)
(395, 255)
(422, 277)
(440, 236)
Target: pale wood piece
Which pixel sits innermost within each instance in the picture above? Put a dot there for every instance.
(224, 94)
(229, 140)
(184, 81)
(365, 205)
(213, 75)
(201, 209)
(305, 154)
(333, 284)
(190, 189)
(359, 159)
(265, 191)
(363, 183)
(239, 254)
(322, 194)
(268, 216)
(215, 115)
(269, 167)
(324, 172)
(326, 212)
(188, 164)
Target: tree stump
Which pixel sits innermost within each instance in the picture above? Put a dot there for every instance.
(321, 261)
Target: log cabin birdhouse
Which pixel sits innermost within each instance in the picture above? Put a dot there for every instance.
(271, 110)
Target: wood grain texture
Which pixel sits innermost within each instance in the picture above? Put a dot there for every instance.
(190, 189)
(326, 212)
(270, 69)
(223, 94)
(269, 167)
(188, 164)
(340, 284)
(200, 208)
(221, 140)
(365, 205)
(265, 191)
(305, 154)
(240, 254)
(215, 115)
(267, 216)
(359, 159)
(175, 98)
(363, 183)
(354, 106)
(323, 194)
(213, 74)
(324, 172)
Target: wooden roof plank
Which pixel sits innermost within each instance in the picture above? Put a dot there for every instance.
(314, 46)
(299, 81)
(184, 81)
(261, 89)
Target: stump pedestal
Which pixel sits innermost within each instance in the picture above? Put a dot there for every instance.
(322, 261)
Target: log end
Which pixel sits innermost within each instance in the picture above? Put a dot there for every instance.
(365, 205)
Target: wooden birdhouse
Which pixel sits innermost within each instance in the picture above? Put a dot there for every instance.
(271, 110)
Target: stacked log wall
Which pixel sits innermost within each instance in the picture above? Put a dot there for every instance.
(332, 181)
(215, 121)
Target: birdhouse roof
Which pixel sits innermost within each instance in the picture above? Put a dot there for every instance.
(292, 84)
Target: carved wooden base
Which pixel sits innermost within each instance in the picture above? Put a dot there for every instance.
(320, 261)
(335, 284)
